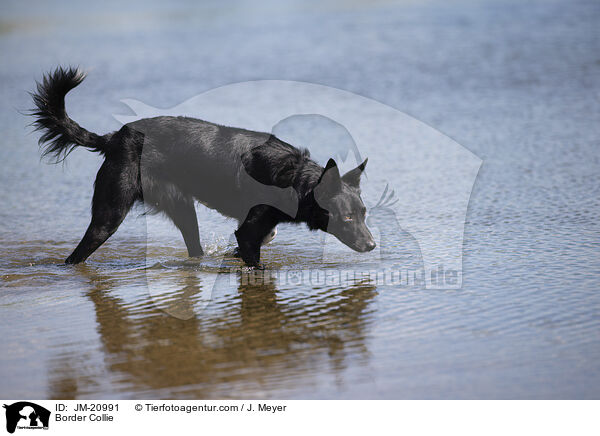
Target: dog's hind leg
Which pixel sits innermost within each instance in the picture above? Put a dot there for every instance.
(183, 214)
(114, 193)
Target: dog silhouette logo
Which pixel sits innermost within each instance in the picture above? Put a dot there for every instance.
(26, 415)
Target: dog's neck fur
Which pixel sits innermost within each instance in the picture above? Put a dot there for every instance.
(305, 181)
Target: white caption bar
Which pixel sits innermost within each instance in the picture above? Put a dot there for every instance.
(76, 417)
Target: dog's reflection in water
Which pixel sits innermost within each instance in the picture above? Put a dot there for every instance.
(254, 338)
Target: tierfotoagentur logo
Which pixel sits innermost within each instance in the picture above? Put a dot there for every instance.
(25, 415)
(416, 186)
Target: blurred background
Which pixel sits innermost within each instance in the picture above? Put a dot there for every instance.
(517, 83)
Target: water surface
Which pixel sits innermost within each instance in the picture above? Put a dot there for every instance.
(517, 84)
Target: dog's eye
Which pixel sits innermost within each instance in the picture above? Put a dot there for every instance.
(348, 218)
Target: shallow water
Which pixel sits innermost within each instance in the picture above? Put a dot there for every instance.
(517, 85)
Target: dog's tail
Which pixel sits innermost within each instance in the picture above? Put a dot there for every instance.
(61, 134)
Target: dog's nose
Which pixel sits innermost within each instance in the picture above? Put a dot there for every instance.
(371, 245)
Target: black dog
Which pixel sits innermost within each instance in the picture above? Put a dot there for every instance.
(168, 162)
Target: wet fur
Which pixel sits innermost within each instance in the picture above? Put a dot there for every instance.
(170, 162)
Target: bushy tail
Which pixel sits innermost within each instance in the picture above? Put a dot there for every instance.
(60, 133)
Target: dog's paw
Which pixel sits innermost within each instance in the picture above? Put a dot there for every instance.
(256, 267)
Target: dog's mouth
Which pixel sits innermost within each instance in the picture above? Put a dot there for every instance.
(365, 248)
(361, 246)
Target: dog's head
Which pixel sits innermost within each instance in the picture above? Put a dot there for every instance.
(339, 198)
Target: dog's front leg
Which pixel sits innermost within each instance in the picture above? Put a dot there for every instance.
(258, 224)
(249, 250)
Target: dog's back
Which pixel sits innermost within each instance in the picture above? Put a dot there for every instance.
(225, 168)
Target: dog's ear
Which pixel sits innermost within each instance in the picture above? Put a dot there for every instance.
(330, 181)
(352, 177)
